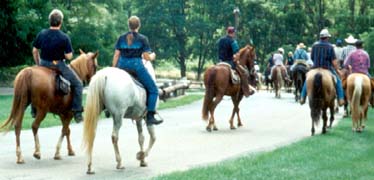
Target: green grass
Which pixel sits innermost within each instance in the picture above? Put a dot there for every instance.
(54, 120)
(340, 154)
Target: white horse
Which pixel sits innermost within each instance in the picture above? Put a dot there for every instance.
(115, 90)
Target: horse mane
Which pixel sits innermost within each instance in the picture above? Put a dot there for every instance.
(79, 65)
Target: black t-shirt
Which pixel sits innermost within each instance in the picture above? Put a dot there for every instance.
(225, 51)
(54, 44)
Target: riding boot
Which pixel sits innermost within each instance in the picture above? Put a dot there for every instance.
(151, 120)
(78, 115)
(244, 83)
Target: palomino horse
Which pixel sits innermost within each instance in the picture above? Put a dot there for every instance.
(217, 81)
(115, 90)
(278, 82)
(321, 95)
(36, 85)
(358, 95)
(298, 77)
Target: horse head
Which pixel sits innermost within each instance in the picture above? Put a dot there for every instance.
(246, 57)
(85, 65)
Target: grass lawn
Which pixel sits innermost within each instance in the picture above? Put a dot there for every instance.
(54, 120)
(340, 154)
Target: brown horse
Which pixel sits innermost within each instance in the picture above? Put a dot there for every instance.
(217, 81)
(321, 95)
(36, 85)
(278, 81)
(358, 95)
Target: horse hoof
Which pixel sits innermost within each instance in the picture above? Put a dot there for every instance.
(140, 155)
(240, 125)
(90, 172)
(57, 158)
(20, 161)
(143, 164)
(215, 129)
(71, 153)
(120, 167)
(37, 155)
(208, 129)
(232, 128)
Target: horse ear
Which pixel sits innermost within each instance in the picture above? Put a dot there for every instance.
(96, 54)
(81, 51)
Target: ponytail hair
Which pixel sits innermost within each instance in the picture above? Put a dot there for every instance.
(133, 23)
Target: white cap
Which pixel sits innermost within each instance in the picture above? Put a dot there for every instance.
(281, 50)
(324, 33)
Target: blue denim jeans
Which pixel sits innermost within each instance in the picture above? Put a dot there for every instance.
(75, 83)
(136, 65)
(338, 87)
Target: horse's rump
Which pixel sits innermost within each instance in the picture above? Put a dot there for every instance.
(358, 94)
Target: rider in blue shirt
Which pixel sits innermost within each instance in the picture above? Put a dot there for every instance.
(130, 48)
(323, 56)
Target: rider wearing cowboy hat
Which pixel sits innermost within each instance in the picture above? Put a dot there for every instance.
(349, 48)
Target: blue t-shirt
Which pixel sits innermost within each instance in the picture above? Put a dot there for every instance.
(139, 45)
(54, 44)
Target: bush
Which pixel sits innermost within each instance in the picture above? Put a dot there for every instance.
(7, 75)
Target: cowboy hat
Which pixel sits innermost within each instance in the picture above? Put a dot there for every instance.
(350, 39)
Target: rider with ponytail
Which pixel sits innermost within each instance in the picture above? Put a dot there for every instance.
(129, 50)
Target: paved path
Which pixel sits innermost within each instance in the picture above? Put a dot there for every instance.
(182, 141)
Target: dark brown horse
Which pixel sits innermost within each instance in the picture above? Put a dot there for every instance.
(217, 81)
(36, 85)
(298, 77)
(321, 94)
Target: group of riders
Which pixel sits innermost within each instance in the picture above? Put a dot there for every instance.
(52, 47)
(333, 57)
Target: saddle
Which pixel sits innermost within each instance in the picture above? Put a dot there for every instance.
(62, 85)
(235, 78)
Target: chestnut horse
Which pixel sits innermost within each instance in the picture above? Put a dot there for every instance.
(278, 81)
(36, 85)
(321, 91)
(217, 81)
(358, 95)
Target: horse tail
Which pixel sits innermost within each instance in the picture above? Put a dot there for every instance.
(21, 98)
(92, 110)
(208, 93)
(317, 97)
(356, 98)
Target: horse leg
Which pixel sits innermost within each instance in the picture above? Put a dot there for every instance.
(117, 123)
(18, 127)
(64, 132)
(40, 115)
(217, 100)
(324, 118)
(332, 118)
(140, 155)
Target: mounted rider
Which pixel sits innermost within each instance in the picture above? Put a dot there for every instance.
(130, 48)
(55, 47)
(278, 61)
(300, 56)
(227, 48)
(323, 56)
